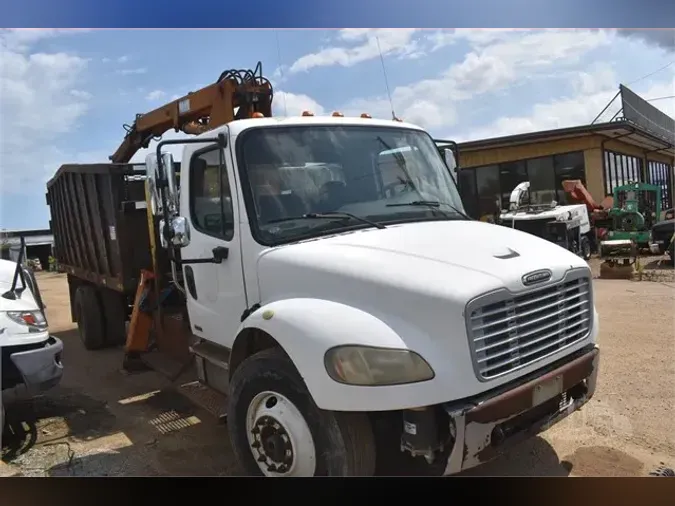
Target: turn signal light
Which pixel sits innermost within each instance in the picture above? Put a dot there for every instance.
(307, 113)
(366, 115)
(337, 114)
(257, 115)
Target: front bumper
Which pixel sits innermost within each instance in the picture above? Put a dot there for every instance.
(484, 427)
(40, 369)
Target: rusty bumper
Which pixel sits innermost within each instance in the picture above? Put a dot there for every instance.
(483, 427)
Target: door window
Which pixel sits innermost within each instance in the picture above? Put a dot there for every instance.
(210, 198)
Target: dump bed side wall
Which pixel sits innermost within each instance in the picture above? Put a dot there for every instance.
(99, 223)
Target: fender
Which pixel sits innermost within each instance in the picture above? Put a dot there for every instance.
(307, 328)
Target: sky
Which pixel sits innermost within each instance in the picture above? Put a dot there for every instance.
(65, 94)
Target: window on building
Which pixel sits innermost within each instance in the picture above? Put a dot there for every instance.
(541, 175)
(660, 174)
(210, 198)
(511, 174)
(568, 166)
(487, 188)
(620, 170)
(494, 183)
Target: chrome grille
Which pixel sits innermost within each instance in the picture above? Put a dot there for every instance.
(509, 332)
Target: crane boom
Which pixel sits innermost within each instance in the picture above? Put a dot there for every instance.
(237, 94)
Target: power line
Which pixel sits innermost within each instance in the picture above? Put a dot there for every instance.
(651, 73)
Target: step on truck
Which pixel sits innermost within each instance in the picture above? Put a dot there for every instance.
(321, 272)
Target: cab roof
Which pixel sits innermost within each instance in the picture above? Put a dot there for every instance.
(238, 126)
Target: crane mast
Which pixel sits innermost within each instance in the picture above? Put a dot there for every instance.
(237, 94)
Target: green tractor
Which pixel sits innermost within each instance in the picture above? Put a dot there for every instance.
(636, 208)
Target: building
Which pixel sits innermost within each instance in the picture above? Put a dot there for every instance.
(38, 244)
(638, 146)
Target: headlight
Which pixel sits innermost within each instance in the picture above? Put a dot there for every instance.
(34, 320)
(368, 366)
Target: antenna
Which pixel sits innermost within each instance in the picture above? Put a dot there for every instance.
(281, 68)
(386, 81)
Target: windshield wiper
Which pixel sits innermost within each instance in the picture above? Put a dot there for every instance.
(430, 203)
(336, 214)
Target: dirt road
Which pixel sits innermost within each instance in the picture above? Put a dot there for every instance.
(102, 422)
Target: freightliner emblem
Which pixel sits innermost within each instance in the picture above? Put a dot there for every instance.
(535, 277)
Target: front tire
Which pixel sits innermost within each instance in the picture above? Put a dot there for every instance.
(585, 248)
(276, 429)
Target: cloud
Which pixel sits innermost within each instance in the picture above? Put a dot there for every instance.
(595, 90)
(498, 60)
(128, 72)
(155, 95)
(20, 39)
(41, 101)
(361, 45)
(123, 59)
(663, 38)
(291, 104)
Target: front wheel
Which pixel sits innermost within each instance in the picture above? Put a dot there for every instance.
(585, 248)
(277, 430)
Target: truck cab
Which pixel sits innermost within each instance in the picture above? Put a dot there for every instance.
(340, 296)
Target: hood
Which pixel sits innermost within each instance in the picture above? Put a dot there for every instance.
(455, 259)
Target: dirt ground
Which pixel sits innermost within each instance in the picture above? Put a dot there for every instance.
(103, 422)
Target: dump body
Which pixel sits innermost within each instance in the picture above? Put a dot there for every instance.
(99, 221)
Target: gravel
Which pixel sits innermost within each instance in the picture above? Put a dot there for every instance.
(82, 429)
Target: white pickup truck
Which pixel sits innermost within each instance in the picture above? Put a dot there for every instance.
(31, 357)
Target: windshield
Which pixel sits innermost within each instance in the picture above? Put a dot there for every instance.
(370, 172)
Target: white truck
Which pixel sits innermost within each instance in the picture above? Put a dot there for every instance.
(350, 310)
(30, 358)
(568, 226)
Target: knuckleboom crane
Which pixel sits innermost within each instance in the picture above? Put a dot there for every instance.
(236, 94)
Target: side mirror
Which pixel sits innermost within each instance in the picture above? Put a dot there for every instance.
(179, 231)
(450, 160)
(172, 184)
(151, 173)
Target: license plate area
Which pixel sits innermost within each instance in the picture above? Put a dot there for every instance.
(547, 390)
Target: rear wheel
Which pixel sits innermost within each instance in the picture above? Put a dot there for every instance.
(114, 308)
(277, 430)
(89, 317)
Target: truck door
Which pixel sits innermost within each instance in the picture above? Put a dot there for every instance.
(215, 291)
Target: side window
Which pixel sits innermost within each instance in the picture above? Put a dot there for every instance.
(210, 196)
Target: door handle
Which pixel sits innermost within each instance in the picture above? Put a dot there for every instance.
(220, 253)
